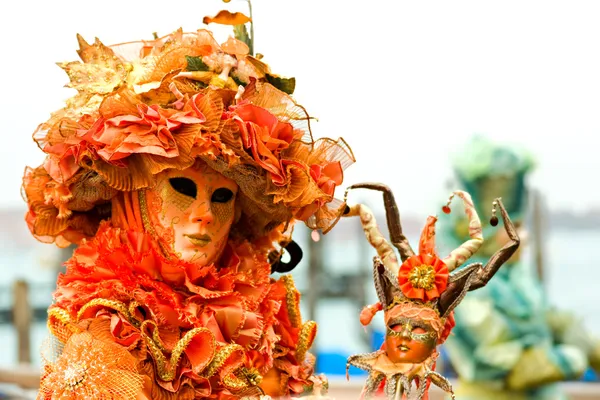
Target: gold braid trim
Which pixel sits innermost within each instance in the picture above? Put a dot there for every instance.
(292, 303)
(133, 308)
(252, 375)
(305, 341)
(148, 227)
(144, 211)
(58, 319)
(112, 304)
(234, 383)
(166, 368)
(221, 357)
(155, 335)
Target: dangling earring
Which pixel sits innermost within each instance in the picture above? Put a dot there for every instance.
(494, 219)
(446, 208)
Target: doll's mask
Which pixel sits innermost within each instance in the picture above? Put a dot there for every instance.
(412, 333)
(410, 341)
(196, 209)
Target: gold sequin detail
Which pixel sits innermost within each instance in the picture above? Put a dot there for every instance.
(220, 358)
(307, 335)
(422, 277)
(292, 303)
(75, 375)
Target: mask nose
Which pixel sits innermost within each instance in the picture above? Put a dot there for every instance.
(202, 215)
(406, 331)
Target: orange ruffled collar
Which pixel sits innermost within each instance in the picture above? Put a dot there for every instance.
(223, 319)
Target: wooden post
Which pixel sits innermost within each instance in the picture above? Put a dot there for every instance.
(22, 315)
(538, 235)
(315, 270)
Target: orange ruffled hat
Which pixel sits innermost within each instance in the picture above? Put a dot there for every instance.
(144, 107)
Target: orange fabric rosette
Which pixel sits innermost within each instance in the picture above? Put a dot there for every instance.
(265, 136)
(434, 266)
(151, 131)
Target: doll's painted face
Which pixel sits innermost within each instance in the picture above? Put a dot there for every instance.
(410, 340)
(198, 205)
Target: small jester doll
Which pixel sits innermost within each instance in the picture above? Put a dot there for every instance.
(418, 296)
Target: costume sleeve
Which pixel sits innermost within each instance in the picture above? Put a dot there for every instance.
(488, 345)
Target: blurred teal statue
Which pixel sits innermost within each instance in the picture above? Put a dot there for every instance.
(508, 344)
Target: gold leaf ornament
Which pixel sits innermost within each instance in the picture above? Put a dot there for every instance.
(101, 71)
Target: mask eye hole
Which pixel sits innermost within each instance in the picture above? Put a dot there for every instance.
(418, 330)
(184, 186)
(221, 195)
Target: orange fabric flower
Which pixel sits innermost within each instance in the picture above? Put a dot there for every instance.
(327, 177)
(91, 369)
(265, 136)
(151, 132)
(65, 145)
(423, 277)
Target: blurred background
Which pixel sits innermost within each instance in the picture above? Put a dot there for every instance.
(405, 83)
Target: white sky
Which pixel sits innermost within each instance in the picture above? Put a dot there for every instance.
(404, 83)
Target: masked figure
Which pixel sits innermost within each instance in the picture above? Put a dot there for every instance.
(418, 296)
(178, 170)
(508, 344)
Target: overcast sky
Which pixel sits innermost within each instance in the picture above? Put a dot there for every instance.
(405, 83)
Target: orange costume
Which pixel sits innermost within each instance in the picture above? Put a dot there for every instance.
(178, 169)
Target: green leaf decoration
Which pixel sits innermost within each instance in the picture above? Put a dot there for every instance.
(287, 85)
(196, 64)
(240, 32)
(237, 80)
